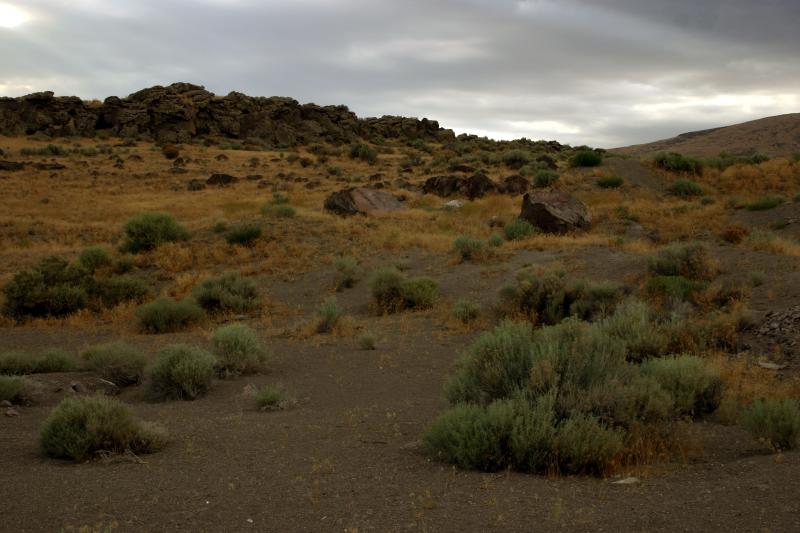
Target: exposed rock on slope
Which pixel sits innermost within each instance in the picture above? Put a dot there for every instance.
(182, 111)
(555, 211)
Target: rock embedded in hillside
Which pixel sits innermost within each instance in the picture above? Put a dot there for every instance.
(555, 211)
(359, 200)
(475, 186)
(221, 180)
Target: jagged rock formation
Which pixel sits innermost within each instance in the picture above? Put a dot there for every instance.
(555, 211)
(182, 112)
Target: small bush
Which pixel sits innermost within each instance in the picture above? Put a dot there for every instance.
(696, 389)
(118, 362)
(419, 293)
(93, 258)
(584, 445)
(243, 236)
(544, 178)
(15, 389)
(634, 325)
(52, 360)
(518, 229)
(609, 182)
(229, 293)
(757, 278)
(348, 270)
(367, 340)
(766, 202)
(149, 230)
(83, 427)
(114, 291)
(675, 288)
(386, 287)
(238, 350)
(516, 159)
(707, 200)
(688, 260)
(684, 188)
(776, 422)
(166, 315)
(586, 158)
(328, 314)
(495, 240)
(279, 209)
(469, 248)
(675, 162)
(181, 372)
(364, 152)
(466, 311)
(270, 398)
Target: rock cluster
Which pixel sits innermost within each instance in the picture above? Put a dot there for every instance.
(781, 328)
(181, 112)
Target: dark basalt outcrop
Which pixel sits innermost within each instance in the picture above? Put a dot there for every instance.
(181, 112)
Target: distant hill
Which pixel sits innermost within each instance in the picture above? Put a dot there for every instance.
(773, 136)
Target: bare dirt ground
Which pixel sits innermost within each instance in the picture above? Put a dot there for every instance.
(346, 456)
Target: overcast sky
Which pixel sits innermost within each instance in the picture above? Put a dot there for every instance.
(599, 72)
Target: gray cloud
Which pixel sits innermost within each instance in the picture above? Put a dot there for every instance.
(601, 72)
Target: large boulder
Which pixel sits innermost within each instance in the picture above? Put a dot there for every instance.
(443, 186)
(477, 186)
(555, 211)
(359, 200)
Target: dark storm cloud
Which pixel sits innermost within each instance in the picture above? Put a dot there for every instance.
(603, 72)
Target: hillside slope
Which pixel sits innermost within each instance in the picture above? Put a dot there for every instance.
(773, 136)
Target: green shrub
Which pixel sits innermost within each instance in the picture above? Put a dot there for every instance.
(238, 351)
(546, 297)
(243, 236)
(757, 278)
(229, 293)
(518, 229)
(93, 258)
(707, 200)
(278, 210)
(675, 162)
(367, 340)
(419, 293)
(688, 260)
(116, 290)
(469, 248)
(684, 188)
(118, 362)
(52, 288)
(766, 202)
(466, 311)
(609, 182)
(50, 149)
(495, 240)
(386, 288)
(584, 445)
(81, 428)
(15, 389)
(675, 288)
(516, 159)
(165, 315)
(328, 314)
(271, 398)
(544, 178)
(348, 270)
(586, 158)
(776, 422)
(634, 325)
(149, 230)
(123, 264)
(181, 372)
(696, 388)
(364, 152)
(52, 360)
(472, 436)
